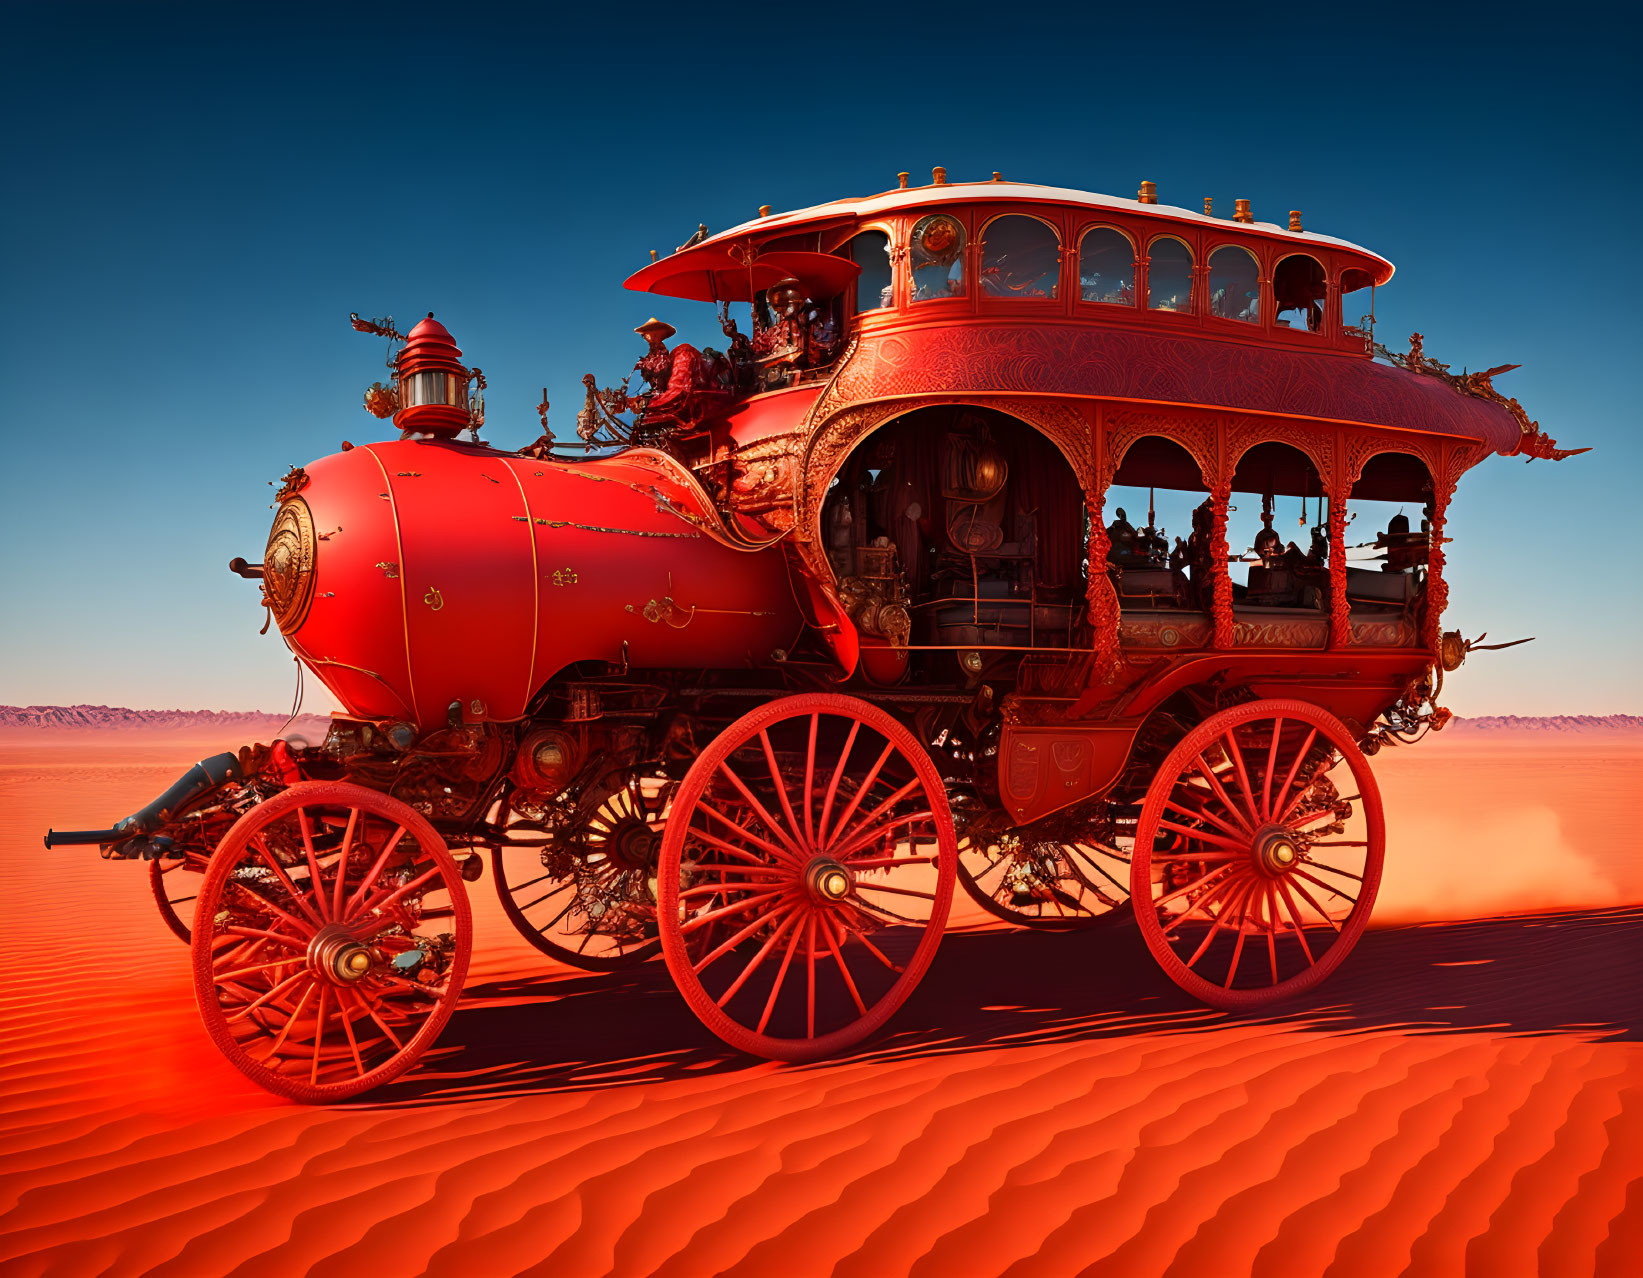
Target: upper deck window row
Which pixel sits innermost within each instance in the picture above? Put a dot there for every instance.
(1018, 257)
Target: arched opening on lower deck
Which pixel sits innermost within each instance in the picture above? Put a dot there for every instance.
(1392, 538)
(956, 531)
(1278, 536)
(1162, 570)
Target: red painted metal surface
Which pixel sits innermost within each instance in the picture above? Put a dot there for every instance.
(451, 574)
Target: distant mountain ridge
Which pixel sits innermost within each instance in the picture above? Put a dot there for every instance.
(120, 719)
(22, 719)
(1551, 723)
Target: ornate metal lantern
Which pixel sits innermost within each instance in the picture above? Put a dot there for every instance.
(433, 383)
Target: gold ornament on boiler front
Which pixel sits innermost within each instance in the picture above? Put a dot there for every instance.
(288, 564)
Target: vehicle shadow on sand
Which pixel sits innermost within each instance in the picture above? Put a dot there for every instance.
(1531, 974)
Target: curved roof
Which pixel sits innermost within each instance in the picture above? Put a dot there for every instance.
(947, 193)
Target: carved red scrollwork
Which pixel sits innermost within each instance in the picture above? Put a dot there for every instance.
(1340, 611)
(1221, 612)
(1098, 591)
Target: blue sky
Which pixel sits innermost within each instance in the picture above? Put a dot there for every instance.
(196, 198)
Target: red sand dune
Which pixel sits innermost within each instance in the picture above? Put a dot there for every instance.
(1463, 1097)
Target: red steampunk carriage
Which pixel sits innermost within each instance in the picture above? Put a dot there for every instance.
(805, 630)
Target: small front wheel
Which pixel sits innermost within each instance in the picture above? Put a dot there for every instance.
(331, 940)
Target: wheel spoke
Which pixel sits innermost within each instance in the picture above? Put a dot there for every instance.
(1243, 932)
(316, 884)
(1324, 865)
(793, 852)
(810, 965)
(292, 919)
(838, 957)
(1220, 792)
(793, 941)
(780, 785)
(1204, 814)
(319, 1033)
(297, 897)
(1300, 931)
(1294, 767)
(1232, 748)
(885, 862)
(695, 922)
(1203, 836)
(809, 787)
(1271, 767)
(833, 786)
(1328, 887)
(867, 838)
(565, 885)
(730, 849)
(861, 791)
(370, 877)
(846, 839)
(342, 863)
(1322, 913)
(1239, 894)
(297, 1011)
(348, 1030)
(268, 995)
(279, 938)
(898, 891)
(223, 977)
(724, 947)
(790, 919)
(1205, 881)
(1208, 898)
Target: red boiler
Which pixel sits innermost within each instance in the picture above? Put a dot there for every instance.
(428, 580)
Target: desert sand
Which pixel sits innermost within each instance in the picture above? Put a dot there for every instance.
(1464, 1096)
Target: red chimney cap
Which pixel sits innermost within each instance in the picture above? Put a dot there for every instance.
(430, 340)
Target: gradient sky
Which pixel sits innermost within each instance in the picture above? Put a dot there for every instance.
(196, 198)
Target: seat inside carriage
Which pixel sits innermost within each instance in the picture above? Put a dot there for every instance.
(962, 527)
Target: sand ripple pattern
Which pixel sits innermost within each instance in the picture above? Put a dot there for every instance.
(1464, 1099)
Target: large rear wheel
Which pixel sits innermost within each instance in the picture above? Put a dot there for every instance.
(806, 875)
(332, 939)
(1258, 853)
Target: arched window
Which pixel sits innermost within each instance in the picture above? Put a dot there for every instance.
(1298, 293)
(874, 288)
(936, 258)
(1357, 306)
(1106, 267)
(1234, 285)
(1020, 257)
(1169, 275)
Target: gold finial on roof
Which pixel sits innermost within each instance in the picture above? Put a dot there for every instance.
(1294, 219)
(1240, 211)
(1209, 207)
(1148, 194)
(901, 181)
(764, 210)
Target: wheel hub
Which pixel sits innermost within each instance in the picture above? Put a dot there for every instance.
(828, 881)
(1276, 851)
(635, 844)
(335, 954)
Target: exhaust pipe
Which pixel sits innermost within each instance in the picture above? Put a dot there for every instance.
(131, 836)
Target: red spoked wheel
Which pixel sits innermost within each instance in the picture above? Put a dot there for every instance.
(806, 875)
(587, 896)
(1057, 884)
(339, 938)
(1258, 853)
